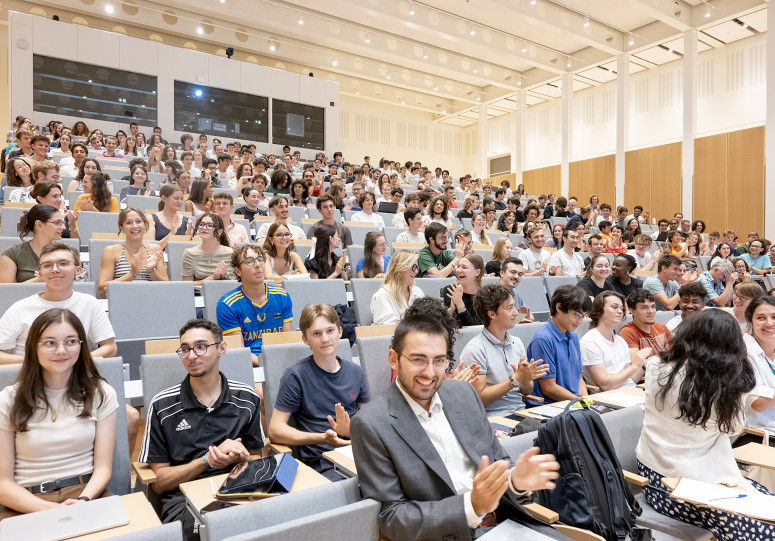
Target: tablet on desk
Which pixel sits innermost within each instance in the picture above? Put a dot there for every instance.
(66, 521)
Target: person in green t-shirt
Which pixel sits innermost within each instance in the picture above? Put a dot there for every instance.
(436, 259)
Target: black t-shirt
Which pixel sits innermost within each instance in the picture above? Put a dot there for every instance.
(492, 267)
(467, 318)
(617, 285)
(249, 214)
(464, 214)
(312, 265)
(588, 285)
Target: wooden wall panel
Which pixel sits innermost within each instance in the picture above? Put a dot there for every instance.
(593, 176)
(710, 181)
(665, 181)
(497, 179)
(637, 178)
(545, 180)
(745, 182)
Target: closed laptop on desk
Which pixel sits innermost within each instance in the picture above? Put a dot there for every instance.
(66, 521)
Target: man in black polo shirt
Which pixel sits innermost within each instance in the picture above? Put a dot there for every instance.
(202, 426)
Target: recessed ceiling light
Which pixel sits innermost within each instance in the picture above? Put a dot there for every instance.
(586, 21)
(334, 62)
(301, 18)
(200, 30)
(109, 9)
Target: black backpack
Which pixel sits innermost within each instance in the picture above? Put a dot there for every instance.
(591, 492)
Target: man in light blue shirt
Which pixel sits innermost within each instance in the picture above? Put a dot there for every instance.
(718, 282)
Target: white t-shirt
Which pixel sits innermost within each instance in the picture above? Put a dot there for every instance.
(17, 320)
(533, 261)
(48, 450)
(571, 265)
(673, 324)
(597, 349)
(406, 236)
(386, 311)
(765, 377)
(372, 218)
(399, 221)
(296, 231)
(641, 261)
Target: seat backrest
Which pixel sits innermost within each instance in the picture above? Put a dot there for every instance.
(374, 362)
(432, 286)
(360, 520)
(354, 253)
(307, 291)
(359, 232)
(464, 335)
(112, 370)
(553, 282)
(663, 316)
(253, 516)
(525, 331)
(72, 197)
(143, 202)
(277, 358)
(584, 327)
(7, 242)
(150, 309)
(162, 371)
(11, 293)
(212, 291)
(165, 532)
(704, 260)
(624, 426)
(10, 222)
(296, 214)
(533, 293)
(363, 290)
(175, 249)
(303, 250)
(96, 222)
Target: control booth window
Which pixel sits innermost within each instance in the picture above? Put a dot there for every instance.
(87, 91)
(218, 112)
(298, 125)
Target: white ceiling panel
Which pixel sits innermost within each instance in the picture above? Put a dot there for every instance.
(457, 121)
(756, 20)
(728, 32)
(657, 55)
(598, 74)
(531, 99)
(508, 104)
(548, 90)
(678, 45)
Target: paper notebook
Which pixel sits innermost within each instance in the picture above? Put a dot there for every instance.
(753, 504)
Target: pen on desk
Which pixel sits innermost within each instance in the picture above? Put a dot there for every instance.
(729, 497)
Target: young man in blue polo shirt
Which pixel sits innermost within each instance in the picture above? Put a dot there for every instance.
(558, 345)
(255, 308)
(320, 392)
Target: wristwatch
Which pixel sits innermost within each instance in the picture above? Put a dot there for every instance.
(514, 382)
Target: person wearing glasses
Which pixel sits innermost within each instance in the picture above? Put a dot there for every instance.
(57, 422)
(436, 259)
(209, 260)
(426, 453)
(20, 262)
(321, 392)
(557, 343)
(399, 291)
(202, 426)
(255, 307)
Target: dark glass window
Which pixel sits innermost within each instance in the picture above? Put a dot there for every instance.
(214, 111)
(64, 87)
(298, 125)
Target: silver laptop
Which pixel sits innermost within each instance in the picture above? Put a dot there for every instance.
(66, 521)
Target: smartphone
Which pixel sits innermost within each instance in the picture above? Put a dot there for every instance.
(216, 506)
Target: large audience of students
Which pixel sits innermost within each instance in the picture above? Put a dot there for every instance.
(719, 351)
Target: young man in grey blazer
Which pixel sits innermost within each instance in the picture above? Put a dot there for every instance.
(427, 453)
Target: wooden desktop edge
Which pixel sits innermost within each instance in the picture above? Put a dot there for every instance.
(144, 473)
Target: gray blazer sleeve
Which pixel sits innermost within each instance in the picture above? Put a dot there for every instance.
(400, 518)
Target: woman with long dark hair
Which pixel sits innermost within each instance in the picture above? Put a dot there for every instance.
(697, 393)
(138, 182)
(96, 196)
(87, 167)
(20, 263)
(374, 262)
(168, 220)
(323, 263)
(57, 422)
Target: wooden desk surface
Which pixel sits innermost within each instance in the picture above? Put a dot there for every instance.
(341, 460)
(199, 493)
(141, 517)
(756, 454)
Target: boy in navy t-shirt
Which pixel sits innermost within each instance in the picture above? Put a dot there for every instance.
(321, 392)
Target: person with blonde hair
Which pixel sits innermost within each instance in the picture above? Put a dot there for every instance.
(470, 204)
(500, 253)
(398, 292)
(478, 226)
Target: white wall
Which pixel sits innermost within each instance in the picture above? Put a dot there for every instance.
(731, 96)
(374, 129)
(30, 35)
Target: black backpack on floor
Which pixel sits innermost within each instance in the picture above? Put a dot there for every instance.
(591, 492)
